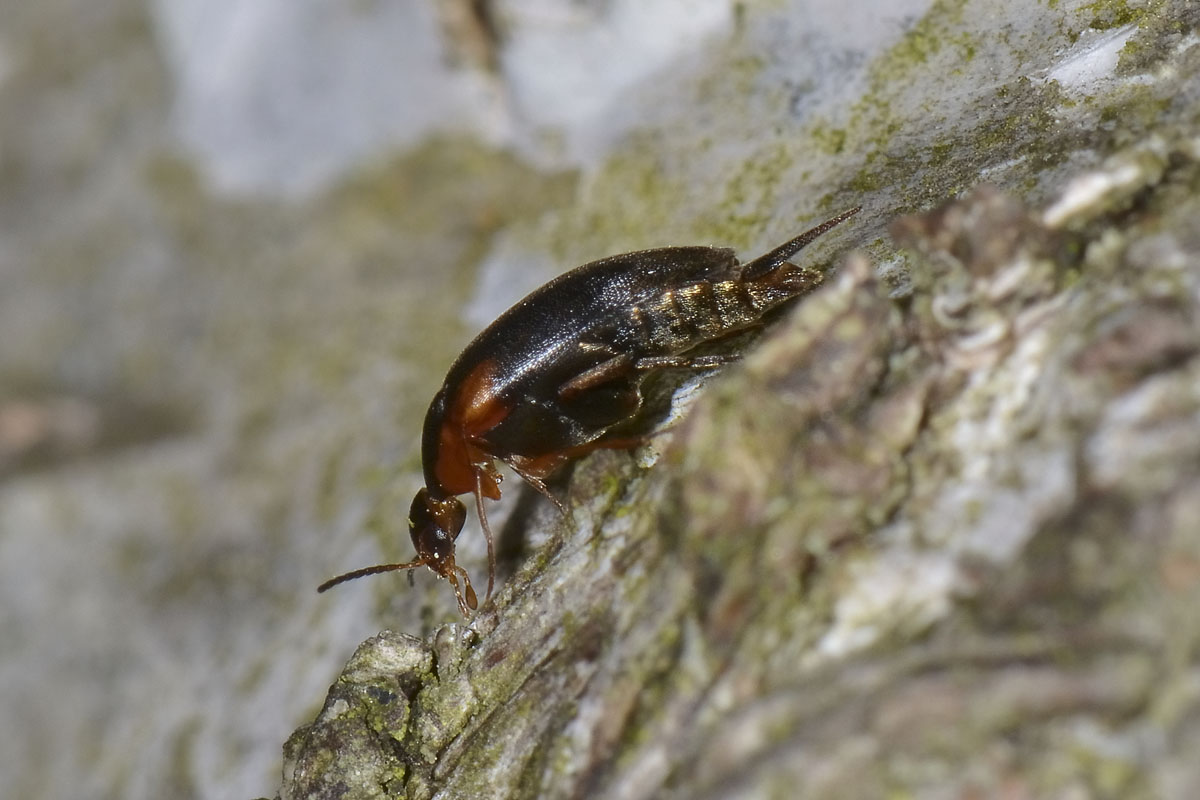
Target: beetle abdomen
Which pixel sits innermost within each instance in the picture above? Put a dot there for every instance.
(679, 319)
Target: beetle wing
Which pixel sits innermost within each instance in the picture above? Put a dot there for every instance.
(543, 341)
(670, 265)
(588, 295)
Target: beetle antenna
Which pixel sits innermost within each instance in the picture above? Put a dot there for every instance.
(365, 571)
(764, 264)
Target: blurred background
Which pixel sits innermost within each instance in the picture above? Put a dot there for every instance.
(239, 245)
(241, 240)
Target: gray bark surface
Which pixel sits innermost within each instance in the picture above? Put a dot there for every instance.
(935, 536)
(939, 544)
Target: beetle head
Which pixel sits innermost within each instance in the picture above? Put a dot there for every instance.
(433, 524)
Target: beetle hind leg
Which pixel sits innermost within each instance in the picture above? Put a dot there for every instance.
(684, 362)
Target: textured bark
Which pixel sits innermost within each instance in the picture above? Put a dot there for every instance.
(936, 544)
(933, 536)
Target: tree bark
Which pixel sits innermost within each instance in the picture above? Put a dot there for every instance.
(940, 540)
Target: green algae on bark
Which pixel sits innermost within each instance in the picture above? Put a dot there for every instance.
(885, 504)
(935, 543)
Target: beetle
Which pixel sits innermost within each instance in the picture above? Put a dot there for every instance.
(551, 377)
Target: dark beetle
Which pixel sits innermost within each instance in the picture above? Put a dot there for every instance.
(546, 381)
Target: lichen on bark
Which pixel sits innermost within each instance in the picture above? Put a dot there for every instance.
(932, 536)
(943, 540)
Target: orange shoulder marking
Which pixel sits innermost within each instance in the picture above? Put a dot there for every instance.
(473, 410)
(459, 461)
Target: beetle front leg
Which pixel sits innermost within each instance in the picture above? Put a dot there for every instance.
(487, 535)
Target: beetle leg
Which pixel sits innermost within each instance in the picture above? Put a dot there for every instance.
(536, 481)
(683, 362)
(604, 372)
(487, 535)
